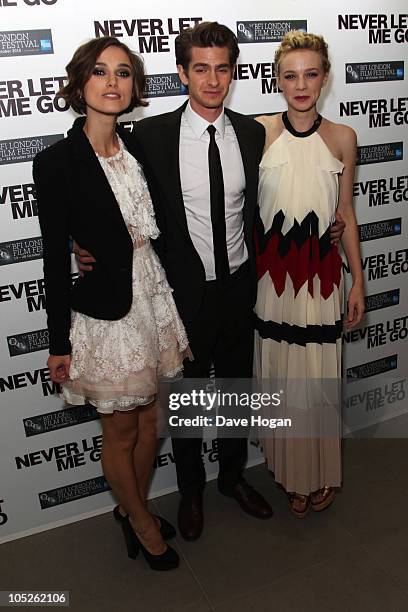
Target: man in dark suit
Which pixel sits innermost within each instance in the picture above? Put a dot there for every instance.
(204, 188)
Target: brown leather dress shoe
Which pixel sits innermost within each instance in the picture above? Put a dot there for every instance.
(190, 516)
(250, 500)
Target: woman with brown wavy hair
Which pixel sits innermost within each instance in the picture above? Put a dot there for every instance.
(116, 330)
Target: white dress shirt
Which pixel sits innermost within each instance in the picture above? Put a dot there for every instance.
(195, 186)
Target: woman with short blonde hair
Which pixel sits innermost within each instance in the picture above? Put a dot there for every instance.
(306, 177)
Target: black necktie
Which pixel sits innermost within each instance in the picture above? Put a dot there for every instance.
(217, 208)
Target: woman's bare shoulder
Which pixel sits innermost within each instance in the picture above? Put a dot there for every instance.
(270, 122)
(344, 134)
(341, 140)
(273, 127)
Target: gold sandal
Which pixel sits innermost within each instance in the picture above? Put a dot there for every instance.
(328, 495)
(306, 504)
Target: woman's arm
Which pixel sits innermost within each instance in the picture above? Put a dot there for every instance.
(351, 242)
(53, 216)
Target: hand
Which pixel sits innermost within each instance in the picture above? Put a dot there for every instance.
(337, 229)
(355, 307)
(83, 259)
(59, 367)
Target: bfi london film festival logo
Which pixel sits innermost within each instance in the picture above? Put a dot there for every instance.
(380, 153)
(28, 342)
(152, 35)
(20, 150)
(372, 368)
(17, 43)
(380, 112)
(18, 251)
(21, 98)
(381, 300)
(59, 419)
(380, 229)
(383, 191)
(267, 31)
(164, 85)
(382, 29)
(68, 493)
(373, 72)
(4, 3)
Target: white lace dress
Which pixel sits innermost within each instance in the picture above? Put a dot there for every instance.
(116, 364)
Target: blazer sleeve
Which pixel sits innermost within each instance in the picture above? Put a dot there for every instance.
(259, 139)
(53, 216)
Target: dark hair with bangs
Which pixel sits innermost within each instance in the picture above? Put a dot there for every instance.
(79, 71)
(205, 34)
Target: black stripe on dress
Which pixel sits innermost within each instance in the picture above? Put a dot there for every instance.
(295, 334)
(299, 234)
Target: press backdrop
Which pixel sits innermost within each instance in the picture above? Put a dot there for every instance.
(50, 471)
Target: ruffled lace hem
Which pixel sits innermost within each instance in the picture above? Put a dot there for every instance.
(109, 406)
(137, 389)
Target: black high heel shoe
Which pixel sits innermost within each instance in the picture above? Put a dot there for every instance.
(167, 530)
(131, 541)
(166, 561)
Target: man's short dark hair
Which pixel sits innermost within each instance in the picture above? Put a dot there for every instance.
(205, 34)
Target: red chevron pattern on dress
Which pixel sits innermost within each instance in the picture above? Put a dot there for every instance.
(302, 264)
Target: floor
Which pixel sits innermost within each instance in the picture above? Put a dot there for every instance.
(352, 557)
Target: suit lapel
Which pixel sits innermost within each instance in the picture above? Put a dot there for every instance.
(245, 145)
(248, 154)
(171, 164)
(92, 177)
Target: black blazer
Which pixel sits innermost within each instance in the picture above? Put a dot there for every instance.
(159, 138)
(75, 200)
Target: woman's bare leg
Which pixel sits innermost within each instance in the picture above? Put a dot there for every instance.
(146, 447)
(120, 434)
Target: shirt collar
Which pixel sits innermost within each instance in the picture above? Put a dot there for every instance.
(200, 125)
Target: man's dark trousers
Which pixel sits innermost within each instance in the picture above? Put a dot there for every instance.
(222, 334)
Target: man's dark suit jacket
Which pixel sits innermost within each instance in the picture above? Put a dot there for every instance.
(75, 200)
(159, 138)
